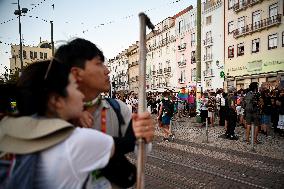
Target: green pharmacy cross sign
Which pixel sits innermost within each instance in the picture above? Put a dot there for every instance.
(222, 74)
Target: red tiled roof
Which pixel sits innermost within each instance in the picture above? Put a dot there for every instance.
(183, 11)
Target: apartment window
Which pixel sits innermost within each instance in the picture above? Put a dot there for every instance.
(230, 27)
(241, 49)
(193, 59)
(182, 76)
(208, 20)
(45, 55)
(282, 39)
(231, 52)
(241, 22)
(208, 35)
(180, 24)
(256, 18)
(192, 39)
(272, 41)
(41, 55)
(35, 55)
(255, 45)
(31, 55)
(193, 74)
(273, 10)
(231, 4)
(24, 54)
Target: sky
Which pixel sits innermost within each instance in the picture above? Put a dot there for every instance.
(113, 25)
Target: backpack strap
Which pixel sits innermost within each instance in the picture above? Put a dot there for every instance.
(116, 107)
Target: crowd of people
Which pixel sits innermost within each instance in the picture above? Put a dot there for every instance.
(259, 107)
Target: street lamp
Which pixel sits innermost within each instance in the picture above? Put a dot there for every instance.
(19, 13)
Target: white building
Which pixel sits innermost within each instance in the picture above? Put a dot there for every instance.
(212, 48)
(161, 56)
(119, 72)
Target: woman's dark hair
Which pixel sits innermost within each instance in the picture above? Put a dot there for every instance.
(77, 52)
(38, 81)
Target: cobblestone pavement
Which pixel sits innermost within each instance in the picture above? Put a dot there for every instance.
(190, 162)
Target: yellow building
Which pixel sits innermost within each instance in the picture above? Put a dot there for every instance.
(133, 70)
(254, 42)
(30, 54)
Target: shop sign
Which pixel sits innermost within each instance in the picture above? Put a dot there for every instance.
(255, 66)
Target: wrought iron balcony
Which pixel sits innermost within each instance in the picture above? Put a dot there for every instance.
(245, 4)
(208, 41)
(207, 57)
(258, 26)
(208, 73)
(182, 63)
(160, 72)
(182, 47)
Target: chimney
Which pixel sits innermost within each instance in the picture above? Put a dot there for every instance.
(39, 39)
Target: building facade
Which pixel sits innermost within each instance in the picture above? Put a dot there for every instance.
(119, 72)
(212, 47)
(133, 66)
(30, 54)
(160, 56)
(185, 30)
(254, 42)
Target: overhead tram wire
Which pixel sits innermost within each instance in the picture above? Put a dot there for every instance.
(125, 17)
(29, 10)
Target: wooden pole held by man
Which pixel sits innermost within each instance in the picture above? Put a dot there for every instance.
(144, 21)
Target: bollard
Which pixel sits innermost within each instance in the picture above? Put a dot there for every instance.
(252, 137)
(206, 130)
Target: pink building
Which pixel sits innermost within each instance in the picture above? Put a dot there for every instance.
(185, 29)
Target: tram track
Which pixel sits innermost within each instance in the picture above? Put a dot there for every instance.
(203, 170)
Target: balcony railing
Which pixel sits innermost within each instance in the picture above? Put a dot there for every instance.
(245, 4)
(212, 4)
(182, 47)
(193, 60)
(182, 63)
(208, 73)
(163, 43)
(160, 71)
(208, 41)
(207, 57)
(181, 81)
(258, 26)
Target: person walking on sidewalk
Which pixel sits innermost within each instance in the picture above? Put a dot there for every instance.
(166, 113)
(251, 106)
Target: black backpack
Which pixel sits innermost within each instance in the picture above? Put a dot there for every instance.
(168, 108)
(119, 170)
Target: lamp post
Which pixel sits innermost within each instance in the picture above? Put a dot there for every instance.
(19, 12)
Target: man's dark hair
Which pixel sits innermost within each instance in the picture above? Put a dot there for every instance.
(253, 86)
(77, 52)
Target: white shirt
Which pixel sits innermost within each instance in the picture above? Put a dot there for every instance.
(67, 164)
